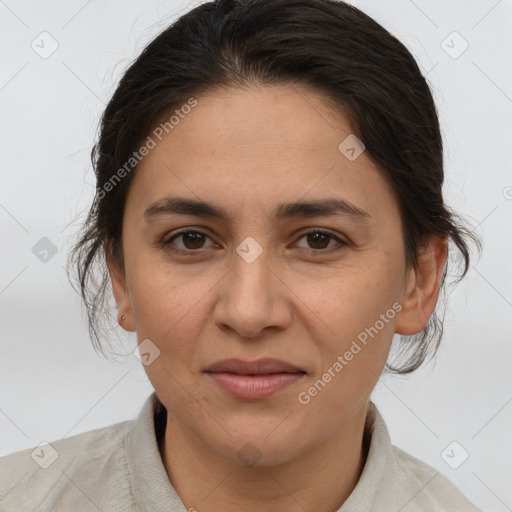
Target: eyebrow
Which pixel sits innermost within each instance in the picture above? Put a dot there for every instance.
(198, 208)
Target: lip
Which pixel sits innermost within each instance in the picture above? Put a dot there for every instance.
(262, 366)
(253, 380)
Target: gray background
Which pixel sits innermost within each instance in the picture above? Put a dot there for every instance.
(53, 384)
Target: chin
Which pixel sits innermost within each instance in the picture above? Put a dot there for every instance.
(254, 447)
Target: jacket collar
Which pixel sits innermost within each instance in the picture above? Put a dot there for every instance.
(153, 492)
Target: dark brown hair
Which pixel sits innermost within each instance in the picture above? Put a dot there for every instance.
(326, 45)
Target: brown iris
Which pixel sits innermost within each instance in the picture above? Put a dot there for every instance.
(196, 239)
(314, 238)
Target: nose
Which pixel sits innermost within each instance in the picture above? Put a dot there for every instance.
(252, 298)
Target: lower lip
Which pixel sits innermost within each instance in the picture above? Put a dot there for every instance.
(254, 387)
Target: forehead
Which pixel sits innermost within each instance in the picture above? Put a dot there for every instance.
(274, 117)
(263, 145)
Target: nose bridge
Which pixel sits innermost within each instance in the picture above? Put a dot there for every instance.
(250, 276)
(249, 300)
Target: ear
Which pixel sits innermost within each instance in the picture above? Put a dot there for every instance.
(120, 290)
(422, 288)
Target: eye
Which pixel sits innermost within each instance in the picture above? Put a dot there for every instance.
(319, 241)
(191, 241)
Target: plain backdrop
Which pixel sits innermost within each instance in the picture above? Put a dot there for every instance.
(53, 384)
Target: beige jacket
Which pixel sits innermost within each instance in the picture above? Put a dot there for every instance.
(119, 469)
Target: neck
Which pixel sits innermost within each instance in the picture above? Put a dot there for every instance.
(320, 479)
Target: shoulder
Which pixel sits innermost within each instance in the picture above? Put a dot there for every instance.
(393, 479)
(426, 488)
(78, 467)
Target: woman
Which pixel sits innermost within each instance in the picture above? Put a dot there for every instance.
(269, 206)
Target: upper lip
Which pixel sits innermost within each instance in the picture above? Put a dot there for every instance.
(258, 367)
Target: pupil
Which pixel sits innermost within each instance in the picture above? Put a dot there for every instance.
(317, 237)
(195, 244)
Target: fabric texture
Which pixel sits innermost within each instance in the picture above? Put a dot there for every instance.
(119, 469)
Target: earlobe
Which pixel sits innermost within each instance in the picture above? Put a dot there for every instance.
(422, 288)
(122, 298)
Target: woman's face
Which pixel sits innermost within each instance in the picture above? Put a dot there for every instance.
(262, 281)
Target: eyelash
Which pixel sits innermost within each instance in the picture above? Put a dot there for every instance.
(167, 244)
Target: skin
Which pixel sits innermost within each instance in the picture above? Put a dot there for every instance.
(248, 151)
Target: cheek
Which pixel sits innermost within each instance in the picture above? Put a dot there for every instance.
(168, 306)
(350, 299)
(354, 349)
(355, 311)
